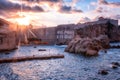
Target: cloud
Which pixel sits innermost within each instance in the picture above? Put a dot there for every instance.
(115, 17)
(102, 2)
(110, 4)
(105, 8)
(51, 0)
(63, 6)
(6, 5)
(100, 10)
(84, 19)
(41, 1)
(68, 9)
(37, 8)
(93, 3)
(72, 3)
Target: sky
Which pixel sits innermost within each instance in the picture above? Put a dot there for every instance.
(55, 12)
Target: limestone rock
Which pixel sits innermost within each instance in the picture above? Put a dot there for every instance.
(88, 46)
(91, 53)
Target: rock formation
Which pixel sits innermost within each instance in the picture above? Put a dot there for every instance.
(95, 30)
(88, 46)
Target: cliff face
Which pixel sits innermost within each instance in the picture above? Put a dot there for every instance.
(95, 30)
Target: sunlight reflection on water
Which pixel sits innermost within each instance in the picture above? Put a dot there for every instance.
(72, 67)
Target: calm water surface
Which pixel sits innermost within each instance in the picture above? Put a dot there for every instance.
(72, 67)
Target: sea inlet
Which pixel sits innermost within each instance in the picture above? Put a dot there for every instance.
(71, 67)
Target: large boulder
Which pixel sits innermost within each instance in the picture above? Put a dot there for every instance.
(72, 45)
(88, 46)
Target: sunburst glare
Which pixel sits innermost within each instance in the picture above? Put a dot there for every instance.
(23, 21)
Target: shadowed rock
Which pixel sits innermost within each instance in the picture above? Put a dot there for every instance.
(103, 72)
(42, 50)
(114, 66)
(116, 63)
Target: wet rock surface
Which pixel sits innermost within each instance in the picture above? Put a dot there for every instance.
(116, 63)
(103, 72)
(41, 49)
(72, 67)
(114, 66)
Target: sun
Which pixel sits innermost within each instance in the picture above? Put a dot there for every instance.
(23, 21)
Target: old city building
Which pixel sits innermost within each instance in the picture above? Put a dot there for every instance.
(61, 34)
(45, 35)
(101, 27)
(64, 33)
(7, 36)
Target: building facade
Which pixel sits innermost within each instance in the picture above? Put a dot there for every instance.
(107, 27)
(47, 35)
(7, 36)
(64, 33)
